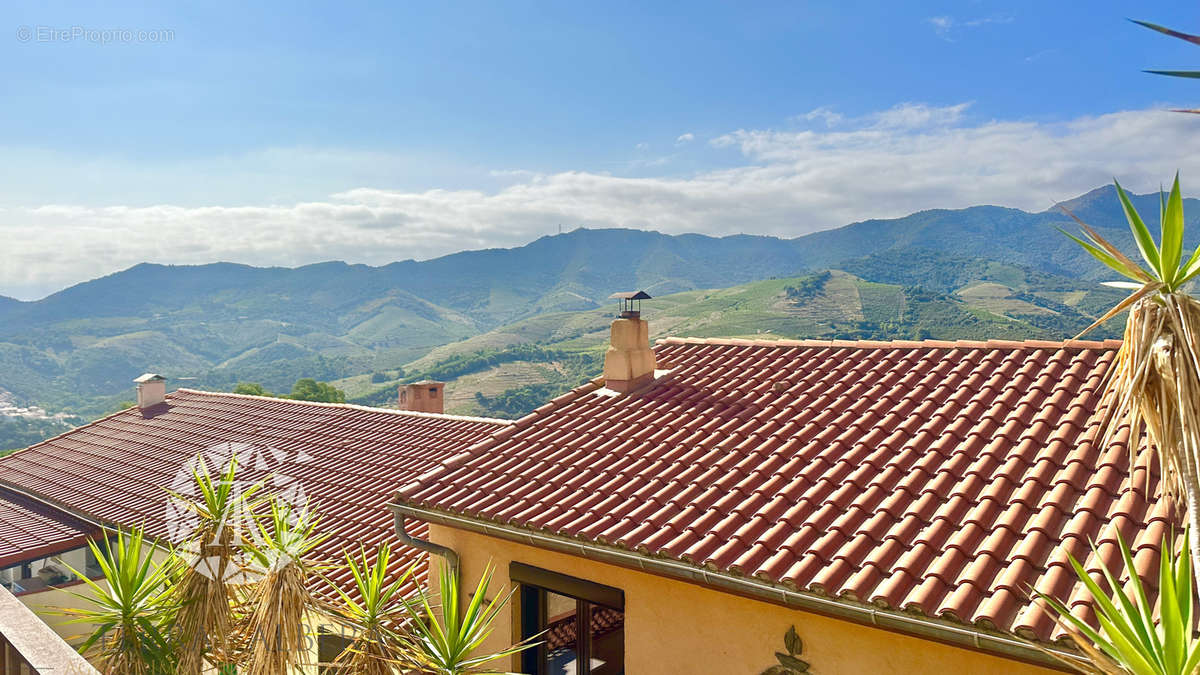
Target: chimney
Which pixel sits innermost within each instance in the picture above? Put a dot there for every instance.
(629, 362)
(151, 390)
(424, 396)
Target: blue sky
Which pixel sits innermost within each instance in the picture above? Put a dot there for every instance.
(295, 132)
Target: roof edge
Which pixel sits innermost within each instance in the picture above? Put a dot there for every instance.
(898, 344)
(53, 504)
(351, 406)
(962, 635)
(86, 528)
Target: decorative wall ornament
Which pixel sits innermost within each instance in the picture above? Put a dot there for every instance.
(789, 663)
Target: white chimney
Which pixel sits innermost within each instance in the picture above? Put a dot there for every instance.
(151, 390)
(629, 362)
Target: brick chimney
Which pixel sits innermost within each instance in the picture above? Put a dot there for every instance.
(424, 396)
(629, 362)
(151, 390)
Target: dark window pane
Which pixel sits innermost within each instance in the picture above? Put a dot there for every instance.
(329, 647)
(562, 634)
(607, 628)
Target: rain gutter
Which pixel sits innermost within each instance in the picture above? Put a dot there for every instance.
(916, 626)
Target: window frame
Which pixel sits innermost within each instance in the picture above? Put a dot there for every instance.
(534, 583)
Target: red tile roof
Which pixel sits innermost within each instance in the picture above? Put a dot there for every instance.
(30, 530)
(348, 460)
(943, 478)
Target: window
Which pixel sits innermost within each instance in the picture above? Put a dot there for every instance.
(433, 392)
(330, 645)
(581, 624)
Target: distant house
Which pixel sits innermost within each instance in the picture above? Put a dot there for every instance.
(345, 460)
(893, 501)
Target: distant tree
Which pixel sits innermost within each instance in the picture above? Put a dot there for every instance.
(251, 389)
(376, 378)
(808, 287)
(308, 389)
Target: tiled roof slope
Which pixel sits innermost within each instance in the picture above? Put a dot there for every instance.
(30, 530)
(348, 460)
(943, 478)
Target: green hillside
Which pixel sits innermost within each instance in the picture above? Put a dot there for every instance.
(510, 370)
(971, 273)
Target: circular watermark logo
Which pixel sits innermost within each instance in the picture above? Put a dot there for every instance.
(259, 473)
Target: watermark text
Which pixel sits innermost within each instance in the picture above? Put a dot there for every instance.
(102, 36)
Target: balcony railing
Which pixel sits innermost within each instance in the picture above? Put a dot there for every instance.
(29, 646)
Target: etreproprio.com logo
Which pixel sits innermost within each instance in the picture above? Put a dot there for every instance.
(266, 468)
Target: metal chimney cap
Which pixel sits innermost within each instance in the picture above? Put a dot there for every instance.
(150, 377)
(627, 299)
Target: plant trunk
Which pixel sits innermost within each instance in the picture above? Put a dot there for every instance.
(1191, 490)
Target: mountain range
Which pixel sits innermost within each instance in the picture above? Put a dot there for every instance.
(215, 325)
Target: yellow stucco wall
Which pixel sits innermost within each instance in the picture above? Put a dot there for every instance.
(46, 603)
(675, 627)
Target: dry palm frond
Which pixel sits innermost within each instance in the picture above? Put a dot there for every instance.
(1154, 383)
(205, 580)
(375, 620)
(278, 605)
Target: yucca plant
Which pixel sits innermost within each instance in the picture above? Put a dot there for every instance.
(278, 604)
(1194, 39)
(1154, 383)
(375, 620)
(130, 610)
(1132, 638)
(443, 638)
(204, 587)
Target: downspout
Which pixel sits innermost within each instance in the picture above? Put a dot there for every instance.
(423, 544)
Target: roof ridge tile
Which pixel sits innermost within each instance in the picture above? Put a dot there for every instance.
(1071, 344)
(343, 406)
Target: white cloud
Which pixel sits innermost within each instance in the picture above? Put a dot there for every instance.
(917, 115)
(642, 146)
(941, 24)
(999, 18)
(1038, 55)
(901, 116)
(825, 114)
(512, 173)
(947, 26)
(781, 182)
(685, 138)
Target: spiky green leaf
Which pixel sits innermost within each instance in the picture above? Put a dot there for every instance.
(1194, 39)
(1172, 236)
(1141, 233)
(1191, 74)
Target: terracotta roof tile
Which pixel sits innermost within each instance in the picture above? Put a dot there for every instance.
(30, 529)
(945, 478)
(348, 459)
